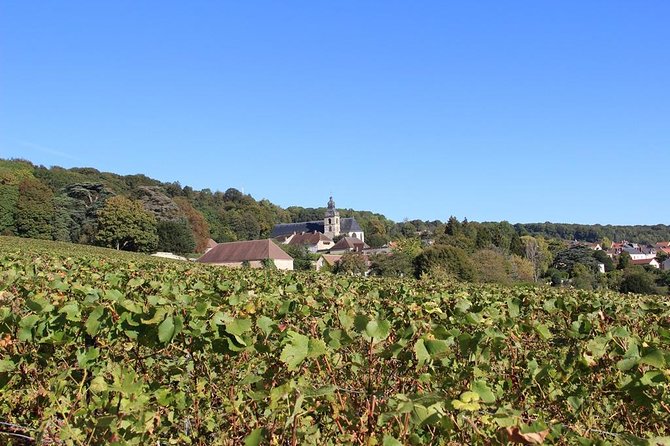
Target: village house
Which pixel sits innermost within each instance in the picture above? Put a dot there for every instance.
(593, 246)
(646, 262)
(327, 260)
(636, 252)
(255, 253)
(210, 244)
(663, 246)
(349, 244)
(314, 241)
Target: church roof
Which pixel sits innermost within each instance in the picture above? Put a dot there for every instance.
(298, 228)
(348, 224)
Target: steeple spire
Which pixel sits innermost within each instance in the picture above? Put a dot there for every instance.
(331, 220)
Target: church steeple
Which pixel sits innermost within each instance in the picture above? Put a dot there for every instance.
(331, 220)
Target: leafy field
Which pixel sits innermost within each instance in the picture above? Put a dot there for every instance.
(100, 347)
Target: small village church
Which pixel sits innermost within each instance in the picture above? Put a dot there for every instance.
(331, 226)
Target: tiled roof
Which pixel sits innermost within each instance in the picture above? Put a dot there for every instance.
(331, 259)
(311, 238)
(642, 261)
(349, 243)
(244, 251)
(211, 243)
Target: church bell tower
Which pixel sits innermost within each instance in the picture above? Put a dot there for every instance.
(331, 220)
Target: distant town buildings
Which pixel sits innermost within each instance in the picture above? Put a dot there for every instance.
(331, 237)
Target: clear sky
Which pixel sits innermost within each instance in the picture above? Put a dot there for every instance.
(526, 111)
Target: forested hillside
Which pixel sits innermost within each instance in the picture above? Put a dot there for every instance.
(67, 205)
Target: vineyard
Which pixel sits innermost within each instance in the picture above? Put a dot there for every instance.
(101, 347)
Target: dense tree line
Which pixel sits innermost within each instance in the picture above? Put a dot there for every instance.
(466, 251)
(77, 205)
(63, 204)
(595, 233)
(83, 205)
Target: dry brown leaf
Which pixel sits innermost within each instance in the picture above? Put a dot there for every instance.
(6, 341)
(515, 435)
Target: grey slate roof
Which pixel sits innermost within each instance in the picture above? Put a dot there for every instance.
(290, 228)
(349, 225)
(346, 225)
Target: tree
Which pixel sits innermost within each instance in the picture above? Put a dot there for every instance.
(82, 202)
(556, 276)
(352, 264)
(638, 281)
(606, 243)
(484, 238)
(582, 277)
(408, 229)
(62, 222)
(34, 210)
(196, 221)
(160, 205)
(450, 259)
(536, 251)
(9, 196)
(453, 226)
(376, 234)
(459, 240)
(302, 259)
(124, 224)
(521, 270)
(396, 264)
(175, 236)
(268, 264)
(567, 259)
(625, 261)
(602, 257)
(492, 266)
(516, 247)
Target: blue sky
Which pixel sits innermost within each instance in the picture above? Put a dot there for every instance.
(523, 111)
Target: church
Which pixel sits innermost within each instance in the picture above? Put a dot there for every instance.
(331, 226)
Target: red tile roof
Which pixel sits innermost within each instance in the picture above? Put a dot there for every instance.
(236, 252)
(331, 259)
(310, 238)
(642, 261)
(349, 243)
